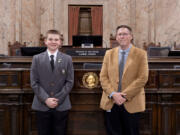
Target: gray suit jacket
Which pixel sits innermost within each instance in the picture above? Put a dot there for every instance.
(47, 83)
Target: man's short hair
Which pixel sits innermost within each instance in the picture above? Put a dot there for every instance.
(53, 32)
(124, 26)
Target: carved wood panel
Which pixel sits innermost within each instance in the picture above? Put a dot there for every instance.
(10, 79)
(160, 118)
(10, 120)
(152, 80)
(176, 120)
(26, 79)
(169, 79)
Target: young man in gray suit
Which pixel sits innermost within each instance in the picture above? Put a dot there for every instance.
(52, 77)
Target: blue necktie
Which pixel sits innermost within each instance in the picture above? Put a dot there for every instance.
(121, 68)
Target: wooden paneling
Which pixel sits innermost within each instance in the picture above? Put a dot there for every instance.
(10, 79)
(10, 114)
(169, 79)
(25, 79)
(153, 80)
(161, 117)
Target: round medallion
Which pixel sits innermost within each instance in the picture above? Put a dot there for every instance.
(90, 80)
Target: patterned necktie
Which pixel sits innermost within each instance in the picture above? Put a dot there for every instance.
(121, 68)
(52, 62)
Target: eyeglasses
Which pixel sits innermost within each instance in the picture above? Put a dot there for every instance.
(123, 34)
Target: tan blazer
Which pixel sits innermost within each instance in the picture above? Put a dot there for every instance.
(135, 76)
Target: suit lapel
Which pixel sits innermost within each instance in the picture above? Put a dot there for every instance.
(47, 62)
(58, 62)
(129, 60)
(116, 62)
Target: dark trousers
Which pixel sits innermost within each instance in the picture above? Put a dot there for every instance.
(120, 122)
(52, 122)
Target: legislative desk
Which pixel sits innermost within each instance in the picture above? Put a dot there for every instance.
(162, 115)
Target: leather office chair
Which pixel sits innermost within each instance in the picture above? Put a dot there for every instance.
(158, 51)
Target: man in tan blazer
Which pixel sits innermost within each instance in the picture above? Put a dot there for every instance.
(123, 76)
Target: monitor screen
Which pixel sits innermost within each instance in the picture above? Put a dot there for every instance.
(96, 40)
(174, 53)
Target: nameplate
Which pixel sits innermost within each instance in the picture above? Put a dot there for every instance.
(85, 51)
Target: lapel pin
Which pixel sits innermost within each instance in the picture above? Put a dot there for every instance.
(59, 60)
(63, 71)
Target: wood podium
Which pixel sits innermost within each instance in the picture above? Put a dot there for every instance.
(161, 117)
